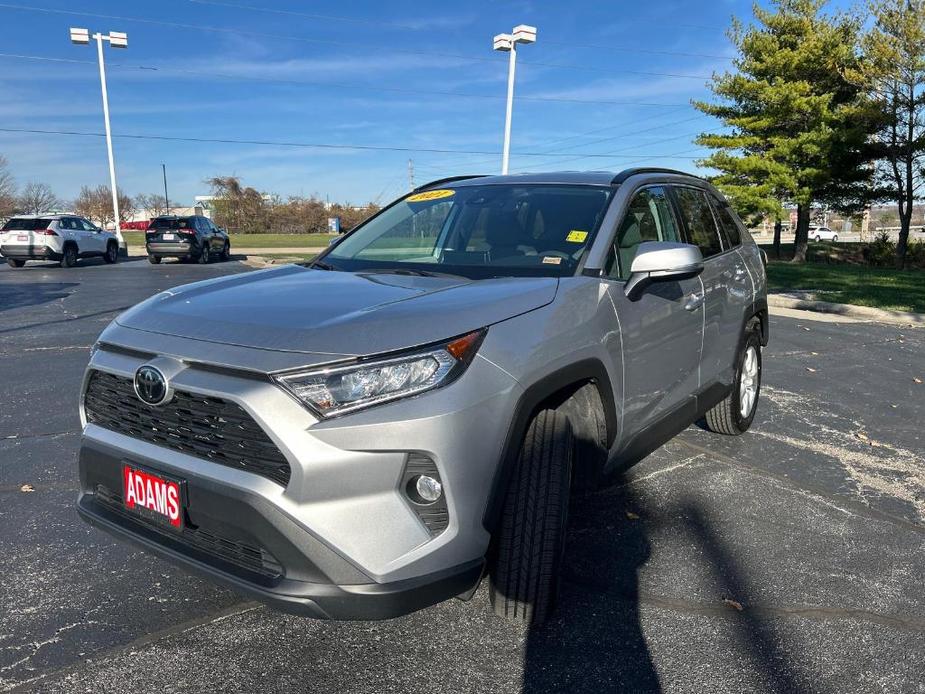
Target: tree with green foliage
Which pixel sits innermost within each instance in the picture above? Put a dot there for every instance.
(797, 127)
(893, 72)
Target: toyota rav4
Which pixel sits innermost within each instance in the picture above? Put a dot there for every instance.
(377, 430)
(60, 237)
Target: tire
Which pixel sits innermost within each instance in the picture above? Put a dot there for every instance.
(818, 239)
(14, 262)
(226, 253)
(203, 257)
(69, 258)
(524, 566)
(835, 238)
(727, 417)
(112, 253)
(154, 259)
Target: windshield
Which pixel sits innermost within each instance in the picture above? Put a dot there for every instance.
(25, 224)
(478, 231)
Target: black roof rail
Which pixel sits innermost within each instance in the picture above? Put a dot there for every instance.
(626, 173)
(449, 179)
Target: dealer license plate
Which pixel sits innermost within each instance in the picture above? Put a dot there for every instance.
(152, 496)
(169, 237)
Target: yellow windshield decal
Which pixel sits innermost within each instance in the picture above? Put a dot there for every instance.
(428, 195)
(575, 236)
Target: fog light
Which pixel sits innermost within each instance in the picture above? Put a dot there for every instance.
(428, 489)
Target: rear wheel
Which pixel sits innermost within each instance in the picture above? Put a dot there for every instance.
(835, 238)
(734, 415)
(112, 252)
(203, 255)
(69, 259)
(525, 562)
(154, 259)
(14, 262)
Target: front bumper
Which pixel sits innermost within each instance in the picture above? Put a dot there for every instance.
(23, 252)
(247, 546)
(341, 539)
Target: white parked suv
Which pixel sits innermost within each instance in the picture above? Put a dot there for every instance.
(60, 237)
(817, 233)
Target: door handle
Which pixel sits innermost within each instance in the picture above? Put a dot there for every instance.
(694, 302)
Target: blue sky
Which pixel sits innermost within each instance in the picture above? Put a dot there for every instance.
(365, 73)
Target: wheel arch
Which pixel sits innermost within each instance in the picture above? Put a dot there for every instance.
(572, 389)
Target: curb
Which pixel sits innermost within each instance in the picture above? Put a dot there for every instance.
(806, 302)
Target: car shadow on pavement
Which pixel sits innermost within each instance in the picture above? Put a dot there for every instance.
(33, 294)
(595, 641)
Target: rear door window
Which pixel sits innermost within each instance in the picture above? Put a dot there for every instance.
(699, 220)
(731, 234)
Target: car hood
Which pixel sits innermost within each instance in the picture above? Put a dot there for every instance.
(296, 309)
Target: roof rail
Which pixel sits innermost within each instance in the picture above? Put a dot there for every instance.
(449, 179)
(626, 173)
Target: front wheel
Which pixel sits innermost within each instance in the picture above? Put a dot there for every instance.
(524, 567)
(817, 239)
(226, 252)
(112, 253)
(835, 238)
(734, 415)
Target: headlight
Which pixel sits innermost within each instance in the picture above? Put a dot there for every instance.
(337, 390)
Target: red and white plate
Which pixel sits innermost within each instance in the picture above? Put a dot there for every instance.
(152, 496)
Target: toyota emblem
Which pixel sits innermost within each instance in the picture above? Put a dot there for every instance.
(151, 386)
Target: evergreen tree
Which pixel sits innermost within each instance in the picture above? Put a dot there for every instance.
(798, 127)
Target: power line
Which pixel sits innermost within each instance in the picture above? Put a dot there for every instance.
(352, 45)
(346, 85)
(278, 143)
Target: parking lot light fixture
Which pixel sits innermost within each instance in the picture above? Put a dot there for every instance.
(116, 39)
(508, 42)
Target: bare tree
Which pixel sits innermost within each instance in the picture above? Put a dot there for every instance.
(154, 203)
(37, 198)
(7, 189)
(96, 205)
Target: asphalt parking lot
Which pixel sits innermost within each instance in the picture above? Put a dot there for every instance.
(789, 559)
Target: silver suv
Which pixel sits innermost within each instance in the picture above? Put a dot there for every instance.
(374, 432)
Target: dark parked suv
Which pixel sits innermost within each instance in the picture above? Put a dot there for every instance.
(187, 238)
(377, 430)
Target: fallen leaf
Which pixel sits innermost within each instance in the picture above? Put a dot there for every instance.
(916, 379)
(632, 516)
(27, 488)
(811, 369)
(733, 603)
(894, 406)
(815, 354)
(806, 329)
(861, 435)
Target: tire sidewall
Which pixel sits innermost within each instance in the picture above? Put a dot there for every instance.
(752, 339)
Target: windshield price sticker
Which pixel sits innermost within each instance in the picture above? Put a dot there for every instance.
(576, 236)
(429, 195)
(551, 260)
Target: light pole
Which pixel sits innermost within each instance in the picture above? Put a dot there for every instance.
(508, 42)
(117, 39)
(166, 199)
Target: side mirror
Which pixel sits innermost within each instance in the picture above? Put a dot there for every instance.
(659, 261)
